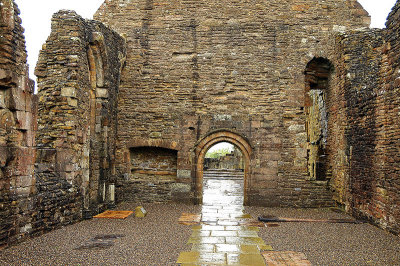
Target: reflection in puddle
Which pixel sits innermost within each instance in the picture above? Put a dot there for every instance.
(221, 238)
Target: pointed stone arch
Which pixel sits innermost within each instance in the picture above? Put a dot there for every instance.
(205, 144)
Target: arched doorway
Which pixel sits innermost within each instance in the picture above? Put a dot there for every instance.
(223, 182)
(318, 74)
(206, 143)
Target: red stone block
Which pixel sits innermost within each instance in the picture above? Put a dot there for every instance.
(4, 150)
(6, 119)
(24, 181)
(64, 157)
(5, 184)
(255, 124)
(24, 120)
(30, 138)
(18, 99)
(24, 161)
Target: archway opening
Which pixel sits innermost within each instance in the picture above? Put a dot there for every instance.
(203, 146)
(224, 156)
(317, 79)
(223, 175)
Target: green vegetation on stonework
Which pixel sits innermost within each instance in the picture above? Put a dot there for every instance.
(218, 153)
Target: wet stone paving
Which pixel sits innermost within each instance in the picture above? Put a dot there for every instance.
(222, 238)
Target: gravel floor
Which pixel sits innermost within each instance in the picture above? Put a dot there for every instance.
(330, 244)
(158, 239)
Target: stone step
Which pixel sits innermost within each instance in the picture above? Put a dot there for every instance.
(223, 174)
(224, 178)
(222, 170)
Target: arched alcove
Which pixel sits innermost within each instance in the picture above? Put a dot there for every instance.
(151, 171)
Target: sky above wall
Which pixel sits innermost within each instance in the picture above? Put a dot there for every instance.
(36, 18)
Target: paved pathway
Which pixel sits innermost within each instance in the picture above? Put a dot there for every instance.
(221, 239)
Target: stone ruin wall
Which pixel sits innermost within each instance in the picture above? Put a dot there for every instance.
(365, 124)
(194, 68)
(67, 172)
(17, 130)
(190, 73)
(78, 76)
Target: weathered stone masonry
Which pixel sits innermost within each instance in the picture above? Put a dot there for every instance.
(195, 68)
(78, 77)
(17, 129)
(69, 172)
(127, 111)
(364, 125)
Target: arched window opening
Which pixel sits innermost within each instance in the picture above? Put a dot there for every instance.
(98, 137)
(317, 79)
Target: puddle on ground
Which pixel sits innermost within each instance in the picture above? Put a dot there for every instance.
(108, 237)
(100, 242)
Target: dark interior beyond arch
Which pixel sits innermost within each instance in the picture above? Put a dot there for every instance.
(317, 77)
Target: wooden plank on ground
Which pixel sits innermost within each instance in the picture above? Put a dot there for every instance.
(285, 258)
(272, 219)
(189, 219)
(114, 214)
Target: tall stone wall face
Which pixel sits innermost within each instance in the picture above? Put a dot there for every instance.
(364, 124)
(78, 77)
(388, 204)
(358, 121)
(194, 68)
(17, 129)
